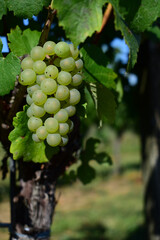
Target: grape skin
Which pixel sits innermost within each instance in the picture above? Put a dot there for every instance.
(41, 132)
(64, 140)
(62, 93)
(61, 116)
(38, 111)
(53, 139)
(67, 64)
(37, 53)
(64, 78)
(27, 77)
(39, 97)
(34, 123)
(32, 88)
(52, 105)
(27, 63)
(63, 128)
(39, 67)
(49, 47)
(51, 71)
(51, 125)
(75, 97)
(62, 49)
(49, 86)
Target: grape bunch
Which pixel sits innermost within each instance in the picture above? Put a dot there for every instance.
(52, 74)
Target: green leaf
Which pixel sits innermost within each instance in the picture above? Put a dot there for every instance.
(130, 38)
(104, 101)
(94, 70)
(86, 173)
(139, 15)
(9, 69)
(22, 42)
(3, 8)
(22, 145)
(155, 31)
(27, 8)
(79, 18)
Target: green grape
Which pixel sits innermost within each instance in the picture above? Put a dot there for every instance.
(62, 93)
(53, 139)
(71, 110)
(52, 105)
(57, 62)
(71, 125)
(51, 71)
(49, 86)
(27, 63)
(51, 125)
(64, 78)
(79, 64)
(39, 79)
(75, 97)
(63, 128)
(38, 111)
(64, 140)
(29, 112)
(37, 53)
(39, 97)
(62, 49)
(32, 89)
(74, 51)
(49, 47)
(29, 99)
(27, 77)
(76, 80)
(61, 116)
(67, 64)
(34, 123)
(35, 138)
(39, 67)
(42, 132)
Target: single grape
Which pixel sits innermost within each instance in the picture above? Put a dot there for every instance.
(51, 71)
(74, 51)
(29, 112)
(37, 53)
(29, 99)
(39, 79)
(42, 132)
(79, 64)
(62, 49)
(63, 128)
(49, 47)
(75, 97)
(67, 64)
(51, 125)
(71, 110)
(39, 67)
(32, 89)
(53, 139)
(34, 123)
(62, 93)
(76, 80)
(64, 140)
(57, 62)
(27, 77)
(49, 86)
(52, 105)
(39, 97)
(35, 138)
(38, 111)
(27, 63)
(71, 125)
(61, 116)
(64, 78)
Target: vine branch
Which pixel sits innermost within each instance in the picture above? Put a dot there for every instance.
(106, 16)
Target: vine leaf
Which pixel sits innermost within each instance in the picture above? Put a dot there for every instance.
(79, 18)
(3, 8)
(27, 8)
(9, 69)
(1, 46)
(85, 172)
(22, 145)
(130, 38)
(95, 70)
(22, 42)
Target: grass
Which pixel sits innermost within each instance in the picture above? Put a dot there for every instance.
(110, 208)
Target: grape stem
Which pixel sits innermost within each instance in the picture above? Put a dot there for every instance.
(46, 28)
